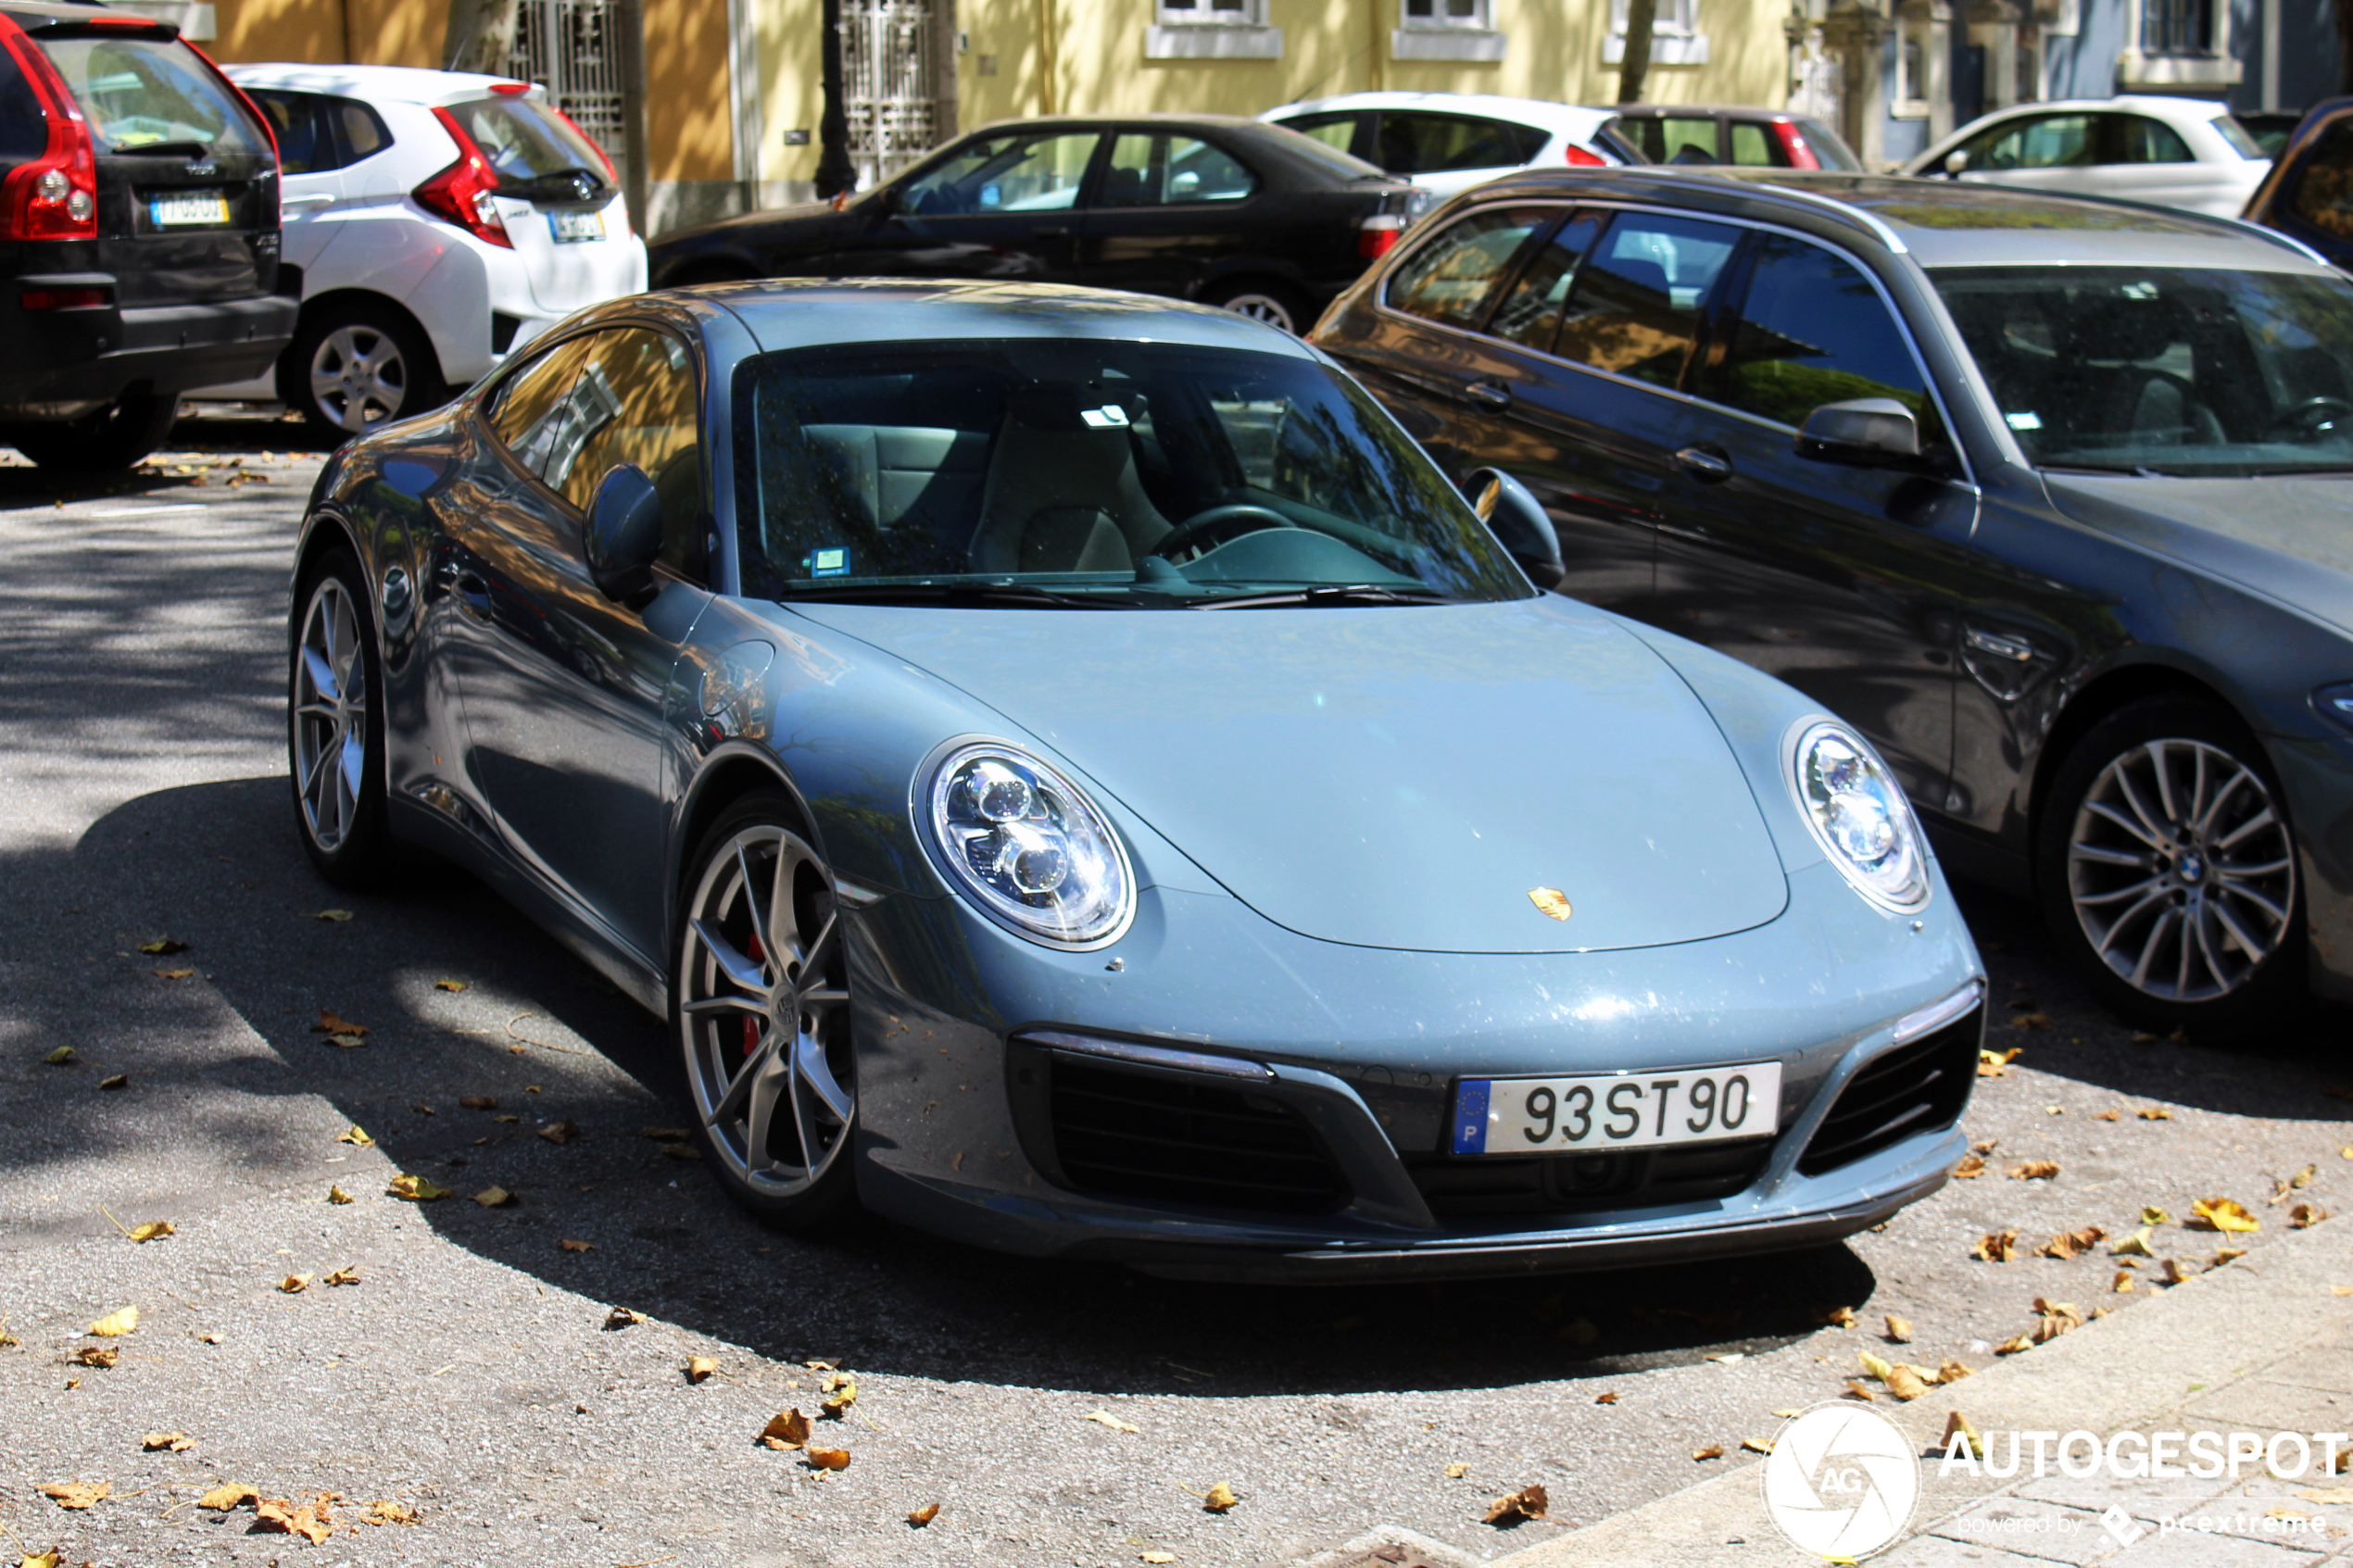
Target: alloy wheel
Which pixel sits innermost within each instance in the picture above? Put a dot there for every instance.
(2181, 869)
(331, 714)
(358, 376)
(764, 1003)
(1263, 308)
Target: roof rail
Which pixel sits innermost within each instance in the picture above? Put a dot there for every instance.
(1868, 219)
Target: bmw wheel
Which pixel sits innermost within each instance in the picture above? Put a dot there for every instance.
(334, 726)
(350, 371)
(762, 1013)
(1277, 304)
(2167, 869)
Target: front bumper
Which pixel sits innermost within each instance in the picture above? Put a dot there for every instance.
(61, 363)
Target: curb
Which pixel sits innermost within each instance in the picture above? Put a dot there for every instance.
(2117, 1372)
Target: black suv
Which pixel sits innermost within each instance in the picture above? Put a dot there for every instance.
(139, 225)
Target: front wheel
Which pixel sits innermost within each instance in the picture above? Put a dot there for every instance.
(1277, 304)
(334, 726)
(114, 438)
(761, 1011)
(2167, 871)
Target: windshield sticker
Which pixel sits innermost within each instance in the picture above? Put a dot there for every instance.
(2024, 422)
(829, 563)
(1109, 417)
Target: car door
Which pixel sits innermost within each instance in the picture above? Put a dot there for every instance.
(2153, 163)
(562, 686)
(1167, 209)
(2042, 151)
(1000, 206)
(310, 172)
(1842, 580)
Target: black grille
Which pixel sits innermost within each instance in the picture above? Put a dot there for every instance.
(1914, 1089)
(1146, 1134)
(1562, 1184)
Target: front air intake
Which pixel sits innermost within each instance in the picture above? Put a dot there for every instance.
(1918, 1087)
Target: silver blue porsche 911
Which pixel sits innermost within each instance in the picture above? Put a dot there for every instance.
(1077, 780)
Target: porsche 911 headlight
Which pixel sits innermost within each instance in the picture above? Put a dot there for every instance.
(1028, 847)
(1859, 817)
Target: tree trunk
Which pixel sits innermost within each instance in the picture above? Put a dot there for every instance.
(480, 35)
(1636, 66)
(836, 174)
(2344, 9)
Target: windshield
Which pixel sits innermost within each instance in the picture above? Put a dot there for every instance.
(2164, 370)
(142, 92)
(526, 144)
(1108, 472)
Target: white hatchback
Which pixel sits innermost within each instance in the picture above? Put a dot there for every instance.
(2173, 152)
(435, 222)
(1449, 141)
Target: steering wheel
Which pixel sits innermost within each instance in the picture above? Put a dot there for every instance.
(1231, 520)
(2306, 421)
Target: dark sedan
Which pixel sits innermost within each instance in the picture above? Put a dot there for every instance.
(1211, 208)
(2047, 495)
(2308, 193)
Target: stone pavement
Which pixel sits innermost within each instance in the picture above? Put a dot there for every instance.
(2263, 1345)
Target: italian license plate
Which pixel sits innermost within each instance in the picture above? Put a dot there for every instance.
(570, 226)
(188, 208)
(1616, 1110)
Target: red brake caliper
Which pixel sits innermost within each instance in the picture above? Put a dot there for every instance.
(751, 1026)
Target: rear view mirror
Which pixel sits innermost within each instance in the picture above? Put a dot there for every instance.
(1518, 522)
(625, 536)
(1865, 431)
(1954, 163)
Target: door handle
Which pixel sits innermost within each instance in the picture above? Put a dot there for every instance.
(1054, 234)
(1708, 467)
(2000, 644)
(1488, 394)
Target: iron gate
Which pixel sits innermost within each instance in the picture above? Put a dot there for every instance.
(572, 48)
(886, 74)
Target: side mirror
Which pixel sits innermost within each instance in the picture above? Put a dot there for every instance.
(1955, 162)
(1866, 432)
(625, 536)
(1518, 522)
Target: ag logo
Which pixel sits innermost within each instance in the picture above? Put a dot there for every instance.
(1841, 1481)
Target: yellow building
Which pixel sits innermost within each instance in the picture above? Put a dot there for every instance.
(733, 93)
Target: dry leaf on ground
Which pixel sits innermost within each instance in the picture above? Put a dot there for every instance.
(450, 984)
(163, 946)
(1957, 1424)
(1906, 1383)
(154, 1230)
(173, 1442)
(924, 1515)
(700, 1367)
(1155, 1556)
(1529, 1502)
(1219, 1498)
(623, 1317)
(1952, 1372)
(664, 1134)
(1757, 1445)
(95, 1355)
(682, 1151)
(355, 1136)
(311, 1520)
(2057, 1318)
(78, 1494)
(2122, 1284)
(338, 916)
(2306, 1215)
(64, 1056)
(1970, 1167)
(228, 1495)
(173, 974)
(415, 1189)
(114, 1325)
(841, 1392)
(560, 1132)
(478, 1102)
(49, 1559)
(1899, 1330)
(789, 1430)
(1996, 1247)
(1856, 1391)
(384, 1512)
(1457, 1470)
(825, 1458)
(570, 1246)
(2034, 1169)
(2013, 1345)
(495, 1197)
(1713, 1450)
(1107, 1418)
(2226, 1255)
(336, 1195)
(2070, 1245)
(330, 1022)
(1995, 1064)
(345, 1275)
(1607, 1396)
(2155, 1113)
(295, 1284)
(119, 1081)
(1837, 1317)
(2177, 1272)
(2220, 1214)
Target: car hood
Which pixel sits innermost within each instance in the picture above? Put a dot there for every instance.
(1387, 777)
(2266, 535)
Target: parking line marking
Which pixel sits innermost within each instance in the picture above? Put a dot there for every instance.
(151, 511)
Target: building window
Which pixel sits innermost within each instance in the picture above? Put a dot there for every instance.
(1213, 13)
(1447, 13)
(1212, 29)
(1676, 39)
(2177, 27)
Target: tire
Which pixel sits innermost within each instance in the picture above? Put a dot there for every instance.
(775, 1117)
(112, 439)
(2167, 871)
(1277, 304)
(356, 368)
(334, 742)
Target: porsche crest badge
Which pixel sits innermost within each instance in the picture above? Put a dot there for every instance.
(1551, 901)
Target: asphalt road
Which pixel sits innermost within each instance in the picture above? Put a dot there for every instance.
(469, 1375)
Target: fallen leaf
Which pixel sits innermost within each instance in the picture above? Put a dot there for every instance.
(1899, 1330)
(2108, 1116)
(384, 1512)
(507, 1121)
(1713, 1450)
(2226, 1255)
(930, 1511)
(1906, 1383)
(114, 1325)
(2153, 1216)
(64, 1056)
(2030, 1021)
(789, 1430)
(152, 1231)
(2013, 1345)
(1789, 1415)
(2339, 1495)
(700, 1368)
(1957, 1424)
(345, 1276)
(1726, 1358)
(1155, 1556)
(49, 1559)
(495, 1197)
(1457, 1470)
(78, 1494)
(2133, 1245)
(1951, 1372)
(1107, 1418)
(1996, 1247)
(827, 1459)
(1873, 1365)
(1607, 1396)
(355, 1136)
(2305, 1177)
(295, 1284)
(682, 1151)
(2070, 1244)
(2155, 1113)
(210, 1339)
(559, 1132)
(2220, 1214)
(95, 1355)
(1971, 1167)
(2306, 1215)
(1837, 1317)
(478, 1102)
(2034, 1169)
(336, 915)
(450, 984)
(311, 1520)
(174, 1442)
(173, 974)
(2281, 1510)
(664, 1134)
(119, 1080)
(334, 1023)
(336, 1195)
(1985, 1145)
(1995, 1064)
(1757, 1445)
(415, 1189)
(1856, 1391)
(623, 1317)
(2176, 1273)
(228, 1495)
(2057, 1318)
(1529, 1502)
(349, 1042)
(570, 1246)
(163, 946)
(2122, 1284)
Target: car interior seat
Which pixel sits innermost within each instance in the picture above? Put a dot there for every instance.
(1061, 492)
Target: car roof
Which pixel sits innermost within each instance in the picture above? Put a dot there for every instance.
(375, 84)
(787, 313)
(2195, 111)
(1941, 222)
(1736, 112)
(1541, 111)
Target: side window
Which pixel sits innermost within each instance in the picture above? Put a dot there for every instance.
(634, 401)
(2051, 141)
(1005, 174)
(361, 130)
(1337, 132)
(2148, 141)
(2323, 192)
(1686, 139)
(1164, 170)
(1634, 309)
(1813, 331)
(1531, 314)
(1752, 148)
(1449, 279)
(527, 409)
(294, 119)
(1434, 143)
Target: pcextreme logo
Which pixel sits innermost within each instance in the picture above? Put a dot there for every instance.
(1841, 1481)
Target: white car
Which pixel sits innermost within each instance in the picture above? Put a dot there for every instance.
(2174, 152)
(1449, 141)
(435, 222)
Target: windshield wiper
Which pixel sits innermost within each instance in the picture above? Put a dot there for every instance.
(1335, 594)
(1000, 594)
(161, 149)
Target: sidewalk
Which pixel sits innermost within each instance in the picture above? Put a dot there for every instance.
(2262, 1345)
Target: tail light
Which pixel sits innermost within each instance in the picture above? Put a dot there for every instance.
(1794, 143)
(1583, 157)
(64, 299)
(1377, 234)
(465, 193)
(54, 196)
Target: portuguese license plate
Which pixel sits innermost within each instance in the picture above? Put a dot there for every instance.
(570, 226)
(1616, 1110)
(185, 210)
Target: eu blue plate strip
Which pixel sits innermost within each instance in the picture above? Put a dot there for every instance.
(1471, 1117)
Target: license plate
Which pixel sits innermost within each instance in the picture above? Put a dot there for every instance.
(570, 226)
(187, 208)
(1616, 1110)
